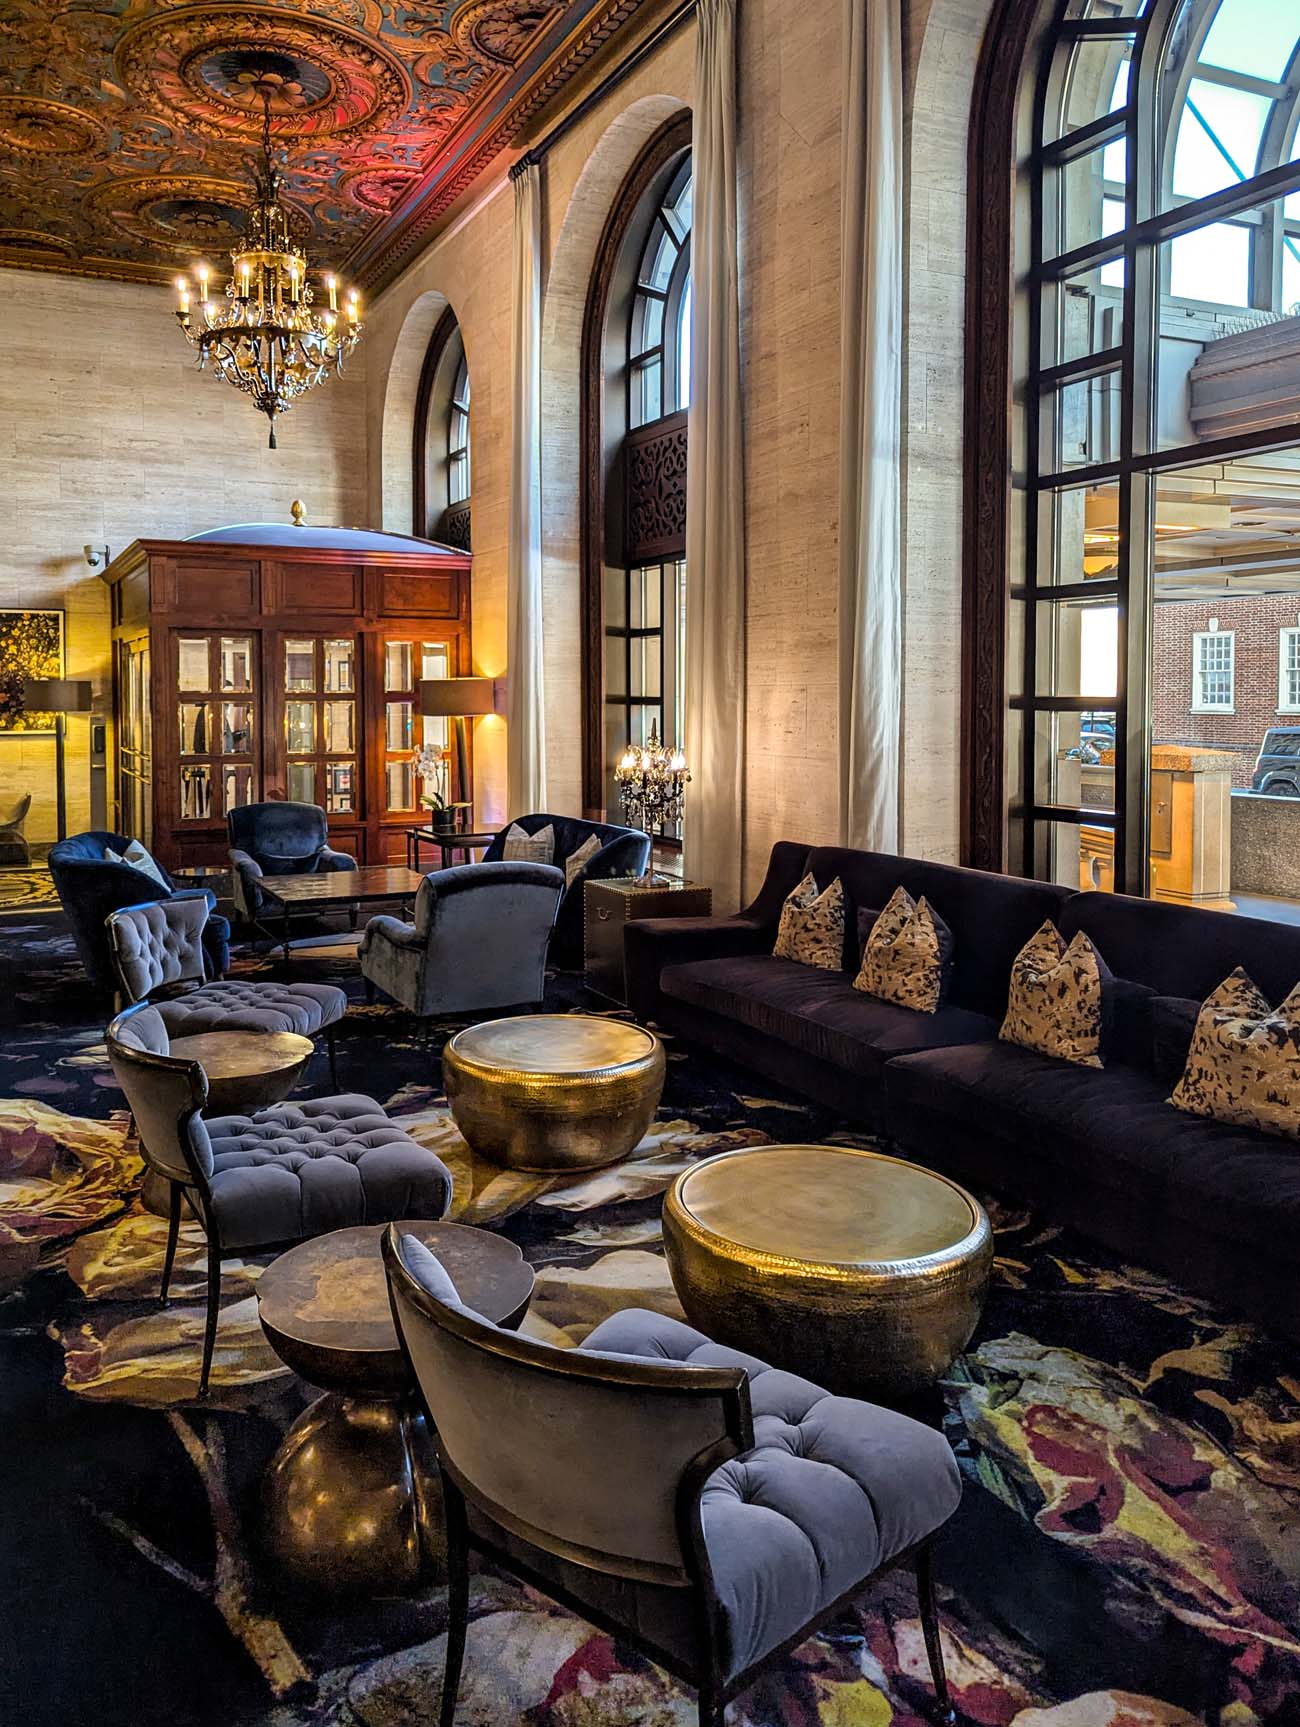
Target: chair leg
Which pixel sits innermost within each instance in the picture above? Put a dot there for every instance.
(173, 1230)
(712, 1708)
(214, 1310)
(457, 1598)
(930, 1627)
(370, 991)
(332, 1047)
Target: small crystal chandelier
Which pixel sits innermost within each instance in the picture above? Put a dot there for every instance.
(651, 779)
(264, 335)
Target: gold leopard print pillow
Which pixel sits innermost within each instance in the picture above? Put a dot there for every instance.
(812, 925)
(1243, 1066)
(907, 956)
(1056, 1000)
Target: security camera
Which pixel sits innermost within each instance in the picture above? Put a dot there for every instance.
(96, 555)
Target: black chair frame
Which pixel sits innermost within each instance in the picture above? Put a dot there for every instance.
(707, 1675)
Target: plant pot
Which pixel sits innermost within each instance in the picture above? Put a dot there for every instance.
(442, 821)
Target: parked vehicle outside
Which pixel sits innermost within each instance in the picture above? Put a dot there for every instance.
(1277, 767)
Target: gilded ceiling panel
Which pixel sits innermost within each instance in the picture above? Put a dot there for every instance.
(127, 127)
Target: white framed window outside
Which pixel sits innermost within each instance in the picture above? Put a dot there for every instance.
(1288, 671)
(1213, 668)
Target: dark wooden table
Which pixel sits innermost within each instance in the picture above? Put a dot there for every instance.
(351, 1500)
(448, 844)
(332, 889)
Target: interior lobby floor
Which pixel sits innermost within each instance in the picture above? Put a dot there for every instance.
(1128, 1549)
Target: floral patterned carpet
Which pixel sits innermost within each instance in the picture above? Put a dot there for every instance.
(1127, 1553)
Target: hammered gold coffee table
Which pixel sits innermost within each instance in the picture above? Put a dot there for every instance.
(856, 1270)
(553, 1091)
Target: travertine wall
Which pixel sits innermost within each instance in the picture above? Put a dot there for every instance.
(107, 435)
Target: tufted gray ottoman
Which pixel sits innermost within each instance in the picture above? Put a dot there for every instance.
(231, 1005)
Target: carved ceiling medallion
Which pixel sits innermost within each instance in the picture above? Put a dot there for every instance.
(182, 213)
(379, 188)
(501, 30)
(36, 126)
(206, 65)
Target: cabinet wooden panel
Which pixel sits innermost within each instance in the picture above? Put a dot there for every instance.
(316, 589)
(274, 672)
(211, 588)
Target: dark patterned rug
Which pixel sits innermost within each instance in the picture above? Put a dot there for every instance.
(1127, 1553)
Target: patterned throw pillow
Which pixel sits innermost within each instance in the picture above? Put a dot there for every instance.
(908, 955)
(1243, 1066)
(578, 860)
(139, 858)
(812, 925)
(1057, 997)
(521, 847)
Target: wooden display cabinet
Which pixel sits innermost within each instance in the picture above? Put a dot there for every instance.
(254, 669)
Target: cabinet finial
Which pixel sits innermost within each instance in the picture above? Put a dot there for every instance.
(298, 510)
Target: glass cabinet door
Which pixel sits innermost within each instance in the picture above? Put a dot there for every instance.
(319, 688)
(407, 661)
(135, 741)
(216, 704)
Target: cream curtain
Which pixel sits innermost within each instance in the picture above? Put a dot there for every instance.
(871, 417)
(525, 706)
(715, 531)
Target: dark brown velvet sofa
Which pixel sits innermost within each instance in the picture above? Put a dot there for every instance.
(1215, 1207)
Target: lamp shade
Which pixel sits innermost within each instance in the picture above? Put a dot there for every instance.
(457, 698)
(58, 695)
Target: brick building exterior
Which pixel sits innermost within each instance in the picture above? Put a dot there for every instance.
(1256, 623)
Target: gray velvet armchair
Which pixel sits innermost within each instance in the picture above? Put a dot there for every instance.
(708, 1509)
(273, 839)
(478, 940)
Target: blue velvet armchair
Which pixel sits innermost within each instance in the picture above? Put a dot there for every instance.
(623, 852)
(277, 839)
(90, 886)
(478, 940)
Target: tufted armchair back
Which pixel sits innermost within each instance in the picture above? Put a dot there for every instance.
(153, 946)
(165, 1095)
(617, 1448)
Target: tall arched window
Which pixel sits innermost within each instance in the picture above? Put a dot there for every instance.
(1147, 572)
(442, 439)
(636, 386)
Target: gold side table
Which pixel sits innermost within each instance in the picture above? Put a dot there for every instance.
(610, 904)
(553, 1091)
(351, 1501)
(859, 1271)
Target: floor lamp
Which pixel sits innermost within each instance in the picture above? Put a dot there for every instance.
(458, 699)
(61, 697)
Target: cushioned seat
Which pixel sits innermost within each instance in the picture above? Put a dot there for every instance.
(262, 1006)
(817, 1012)
(832, 1489)
(301, 1169)
(1116, 1127)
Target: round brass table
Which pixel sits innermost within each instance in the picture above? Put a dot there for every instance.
(553, 1091)
(246, 1070)
(859, 1271)
(351, 1501)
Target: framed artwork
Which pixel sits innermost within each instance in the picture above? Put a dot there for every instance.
(31, 646)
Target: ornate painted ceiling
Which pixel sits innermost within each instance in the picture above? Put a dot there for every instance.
(127, 127)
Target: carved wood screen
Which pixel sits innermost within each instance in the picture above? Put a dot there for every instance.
(654, 491)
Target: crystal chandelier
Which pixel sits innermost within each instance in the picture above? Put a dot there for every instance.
(651, 778)
(264, 334)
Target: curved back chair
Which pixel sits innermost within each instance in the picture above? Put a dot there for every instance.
(277, 838)
(13, 841)
(479, 940)
(623, 852)
(158, 947)
(623, 1479)
(263, 1181)
(90, 885)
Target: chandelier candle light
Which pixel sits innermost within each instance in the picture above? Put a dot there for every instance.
(651, 780)
(264, 334)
